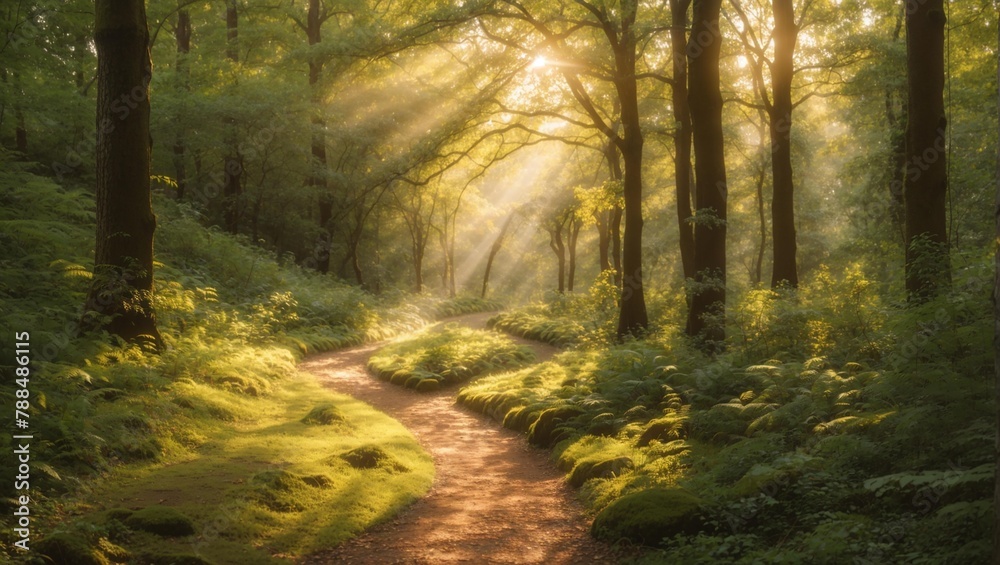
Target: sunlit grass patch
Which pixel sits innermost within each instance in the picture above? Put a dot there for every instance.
(560, 332)
(275, 480)
(446, 355)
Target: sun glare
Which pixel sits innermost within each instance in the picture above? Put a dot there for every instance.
(539, 63)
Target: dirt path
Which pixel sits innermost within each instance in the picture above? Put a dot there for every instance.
(495, 499)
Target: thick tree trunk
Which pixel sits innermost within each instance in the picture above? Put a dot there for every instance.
(120, 298)
(233, 163)
(183, 35)
(785, 270)
(706, 316)
(494, 249)
(926, 184)
(682, 133)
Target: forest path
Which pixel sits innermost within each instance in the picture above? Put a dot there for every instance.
(495, 499)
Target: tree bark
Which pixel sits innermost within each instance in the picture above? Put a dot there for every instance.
(494, 250)
(926, 184)
(120, 298)
(784, 263)
(706, 316)
(682, 133)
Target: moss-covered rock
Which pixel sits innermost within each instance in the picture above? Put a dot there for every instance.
(586, 470)
(69, 548)
(162, 521)
(546, 431)
(649, 516)
(324, 415)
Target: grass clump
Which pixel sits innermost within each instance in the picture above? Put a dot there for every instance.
(324, 415)
(162, 521)
(446, 355)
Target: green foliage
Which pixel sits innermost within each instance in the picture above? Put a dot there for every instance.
(200, 420)
(446, 355)
(559, 332)
(794, 451)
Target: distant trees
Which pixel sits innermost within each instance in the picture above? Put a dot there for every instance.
(120, 298)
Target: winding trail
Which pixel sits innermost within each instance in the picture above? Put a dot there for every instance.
(495, 499)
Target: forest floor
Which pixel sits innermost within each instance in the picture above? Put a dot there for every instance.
(495, 498)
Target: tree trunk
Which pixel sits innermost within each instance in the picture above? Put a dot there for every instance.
(120, 298)
(494, 249)
(615, 171)
(926, 184)
(758, 268)
(785, 270)
(574, 233)
(317, 177)
(233, 163)
(559, 248)
(682, 134)
(897, 144)
(183, 35)
(601, 219)
(996, 348)
(706, 316)
(418, 267)
(616, 243)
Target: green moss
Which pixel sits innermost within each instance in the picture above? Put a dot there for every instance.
(70, 548)
(647, 517)
(162, 521)
(371, 457)
(323, 415)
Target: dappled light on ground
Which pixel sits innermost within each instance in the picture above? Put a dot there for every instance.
(494, 498)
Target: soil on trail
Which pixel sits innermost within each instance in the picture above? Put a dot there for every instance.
(495, 499)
